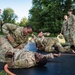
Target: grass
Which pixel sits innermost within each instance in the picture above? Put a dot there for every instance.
(3, 73)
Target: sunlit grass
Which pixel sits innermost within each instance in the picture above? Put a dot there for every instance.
(3, 73)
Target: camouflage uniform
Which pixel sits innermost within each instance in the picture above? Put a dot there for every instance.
(71, 28)
(5, 46)
(65, 31)
(48, 44)
(25, 59)
(22, 57)
(17, 33)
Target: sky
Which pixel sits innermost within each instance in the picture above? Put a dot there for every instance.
(21, 7)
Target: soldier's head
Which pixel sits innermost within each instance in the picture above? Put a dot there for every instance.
(40, 59)
(70, 11)
(9, 57)
(27, 30)
(40, 33)
(65, 17)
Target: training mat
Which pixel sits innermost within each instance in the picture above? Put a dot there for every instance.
(64, 65)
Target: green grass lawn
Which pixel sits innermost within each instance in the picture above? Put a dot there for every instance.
(3, 73)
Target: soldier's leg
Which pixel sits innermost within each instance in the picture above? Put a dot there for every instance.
(73, 38)
(5, 45)
(67, 38)
(60, 47)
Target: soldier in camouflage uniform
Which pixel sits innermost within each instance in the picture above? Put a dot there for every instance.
(26, 59)
(22, 57)
(5, 47)
(16, 35)
(47, 44)
(8, 44)
(71, 26)
(64, 29)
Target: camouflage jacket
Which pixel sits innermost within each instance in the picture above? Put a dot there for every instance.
(48, 44)
(45, 44)
(24, 59)
(71, 22)
(64, 27)
(17, 33)
(5, 46)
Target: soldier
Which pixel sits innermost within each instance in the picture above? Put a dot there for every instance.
(64, 29)
(27, 59)
(71, 26)
(5, 47)
(47, 44)
(16, 35)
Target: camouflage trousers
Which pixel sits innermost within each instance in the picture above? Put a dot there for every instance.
(5, 46)
(70, 36)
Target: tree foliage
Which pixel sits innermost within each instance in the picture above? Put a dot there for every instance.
(9, 16)
(23, 21)
(48, 14)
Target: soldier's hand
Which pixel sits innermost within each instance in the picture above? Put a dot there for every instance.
(10, 38)
(20, 47)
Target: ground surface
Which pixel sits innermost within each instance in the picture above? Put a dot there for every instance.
(64, 65)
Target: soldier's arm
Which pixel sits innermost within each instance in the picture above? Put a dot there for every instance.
(33, 37)
(46, 34)
(7, 70)
(73, 21)
(7, 27)
(62, 28)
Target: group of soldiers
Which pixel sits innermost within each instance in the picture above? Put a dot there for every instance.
(68, 29)
(12, 49)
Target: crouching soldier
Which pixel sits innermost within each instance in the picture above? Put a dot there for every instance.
(17, 36)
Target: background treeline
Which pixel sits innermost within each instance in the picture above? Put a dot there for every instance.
(44, 14)
(48, 14)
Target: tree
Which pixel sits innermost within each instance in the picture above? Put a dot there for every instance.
(67, 5)
(48, 14)
(9, 16)
(24, 21)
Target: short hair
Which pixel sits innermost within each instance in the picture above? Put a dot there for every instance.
(28, 26)
(42, 62)
(72, 47)
(9, 55)
(39, 31)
